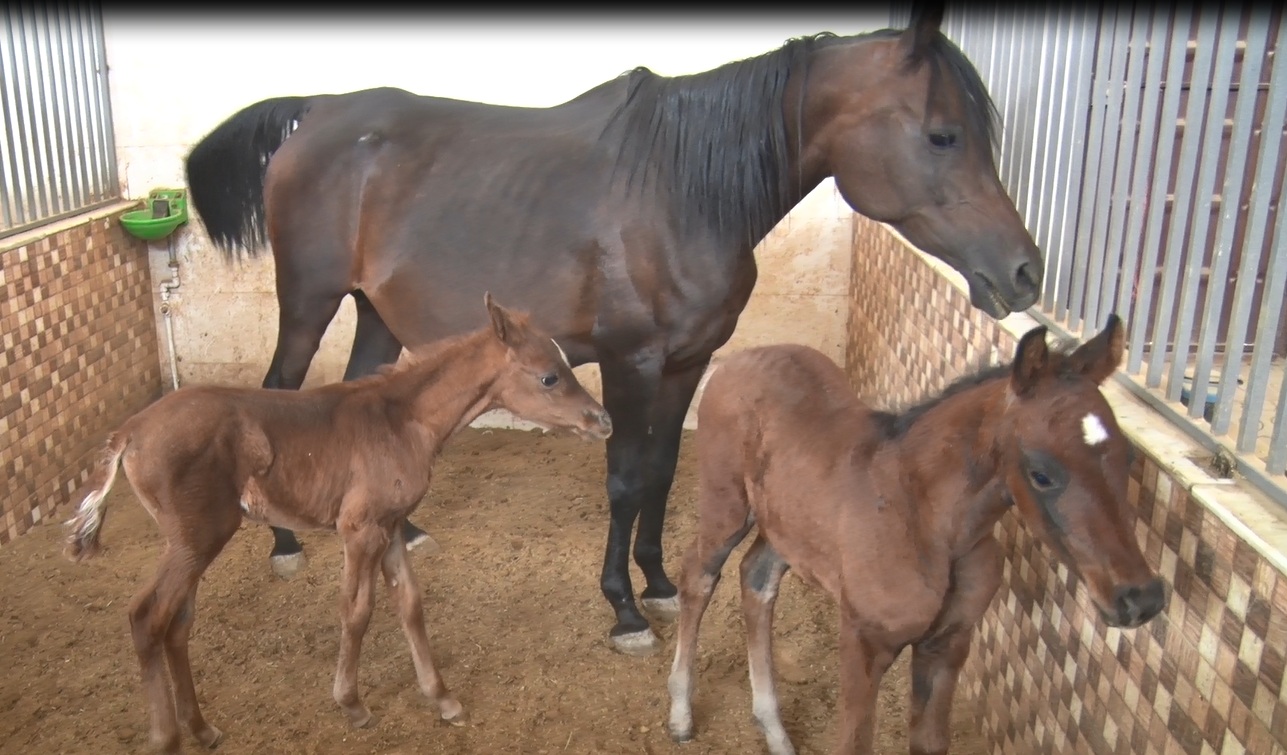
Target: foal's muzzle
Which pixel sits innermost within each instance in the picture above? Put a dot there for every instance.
(1134, 605)
(598, 425)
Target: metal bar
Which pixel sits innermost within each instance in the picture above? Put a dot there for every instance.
(1222, 251)
(1271, 135)
(1189, 147)
(48, 127)
(1204, 206)
(1050, 82)
(1152, 246)
(107, 135)
(1266, 330)
(75, 189)
(9, 190)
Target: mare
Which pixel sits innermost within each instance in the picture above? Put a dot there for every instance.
(893, 515)
(353, 457)
(637, 204)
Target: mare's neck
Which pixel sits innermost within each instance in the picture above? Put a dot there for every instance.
(954, 476)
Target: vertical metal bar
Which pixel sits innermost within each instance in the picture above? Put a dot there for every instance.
(1144, 192)
(80, 102)
(1258, 220)
(42, 84)
(21, 132)
(1009, 85)
(107, 134)
(1161, 187)
(67, 138)
(1231, 193)
(1204, 200)
(1097, 174)
(1276, 460)
(13, 214)
(1073, 111)
(1029, 38)
(1184, 183)
(1049, 128)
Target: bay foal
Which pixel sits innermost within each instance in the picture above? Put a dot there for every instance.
(355, 457)
(893, 515)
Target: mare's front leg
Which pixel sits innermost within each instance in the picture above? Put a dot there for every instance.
(864, 659)
(647, 409)
(364, 547)
(409, 606)
(937, 659)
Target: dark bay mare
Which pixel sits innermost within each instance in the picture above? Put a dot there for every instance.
(893, 515)
(637, 206)
(353, 458)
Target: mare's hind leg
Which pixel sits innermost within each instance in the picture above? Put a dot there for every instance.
(410, 609)
(304, 313)
(762, 569)
(723, 523)
(374, 345)
(937, 659)
(364, 547)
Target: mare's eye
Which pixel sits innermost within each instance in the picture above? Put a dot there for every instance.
(942, 139)
(550, 380)
(1040, 480)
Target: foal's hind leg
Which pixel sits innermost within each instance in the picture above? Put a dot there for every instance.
(374, 345)
(762, 571)
(185, 693)
(719, 532)
(410, 609)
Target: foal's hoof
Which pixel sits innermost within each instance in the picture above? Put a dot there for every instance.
(287, 566)
(662, 609)
(681, 736)
(639, 644)
(210, 737)
(452, 711)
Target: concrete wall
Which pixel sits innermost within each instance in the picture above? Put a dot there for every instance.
(175, 78)
(1045, 674)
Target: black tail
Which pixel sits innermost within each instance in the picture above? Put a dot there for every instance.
(226, 171)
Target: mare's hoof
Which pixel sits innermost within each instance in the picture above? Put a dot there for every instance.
(424, 541)
(288, 566)
(638, 644)
(210, 738)
(662, 609)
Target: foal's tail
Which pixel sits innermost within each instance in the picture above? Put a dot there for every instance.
(226, 170)
(91, 499)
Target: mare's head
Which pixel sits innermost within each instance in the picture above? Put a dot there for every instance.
(1066, 465)
(906, 127)
(536, 384)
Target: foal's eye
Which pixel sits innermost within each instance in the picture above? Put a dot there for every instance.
(942, 139)
(1040, 480)
(550, 380)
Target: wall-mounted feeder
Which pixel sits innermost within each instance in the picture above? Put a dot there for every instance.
(163, 211)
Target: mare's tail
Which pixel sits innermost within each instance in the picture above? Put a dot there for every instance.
(225, 171)
(90, 501)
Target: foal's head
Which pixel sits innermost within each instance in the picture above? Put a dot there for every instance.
(537, 383)
(1066, 468)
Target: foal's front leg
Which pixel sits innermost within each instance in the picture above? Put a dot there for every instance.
(937, 659)
(863, 662)
(364, 547)
(410, 609)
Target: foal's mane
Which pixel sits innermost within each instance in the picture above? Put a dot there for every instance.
(895, 425)
(718, 139)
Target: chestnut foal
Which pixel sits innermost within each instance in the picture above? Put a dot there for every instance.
(893, 515)
(355, 457)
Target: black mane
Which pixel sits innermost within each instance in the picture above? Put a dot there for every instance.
(719, 138)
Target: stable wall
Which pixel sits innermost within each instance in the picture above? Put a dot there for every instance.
(225, 316)
(80, 356)
(1045, 675)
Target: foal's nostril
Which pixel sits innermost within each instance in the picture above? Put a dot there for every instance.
(1138, 604)
(605, 421)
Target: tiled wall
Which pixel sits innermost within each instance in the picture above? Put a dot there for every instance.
(80, 355)
(1045, 674)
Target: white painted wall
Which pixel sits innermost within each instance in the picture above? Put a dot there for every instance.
(174, 77)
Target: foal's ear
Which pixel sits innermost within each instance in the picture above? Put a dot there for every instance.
(1030, 360)
(926, 19)
(1102, 355)
(502, 321)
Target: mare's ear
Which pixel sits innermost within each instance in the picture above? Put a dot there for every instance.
(1030, 360)
(924, 25)
(502, 320)
(1102, 355)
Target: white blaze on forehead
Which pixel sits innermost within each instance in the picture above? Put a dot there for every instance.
(561, 352)
(1093, 430)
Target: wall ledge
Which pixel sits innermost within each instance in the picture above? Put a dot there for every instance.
(32, 235)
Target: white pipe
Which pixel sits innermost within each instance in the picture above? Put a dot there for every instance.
(166, 288)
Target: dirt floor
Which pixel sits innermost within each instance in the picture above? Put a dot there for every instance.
(517, 623)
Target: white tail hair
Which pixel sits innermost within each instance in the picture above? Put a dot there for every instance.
(82, 542)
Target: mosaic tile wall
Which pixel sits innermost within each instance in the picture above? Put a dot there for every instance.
(80, 355)
(1045, 674)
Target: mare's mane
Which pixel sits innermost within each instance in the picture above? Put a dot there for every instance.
(895, 425)
(719, 138)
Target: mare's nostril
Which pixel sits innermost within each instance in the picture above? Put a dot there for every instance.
(1027, 278)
